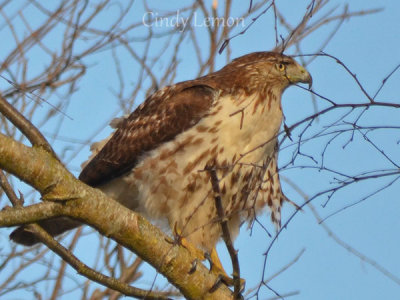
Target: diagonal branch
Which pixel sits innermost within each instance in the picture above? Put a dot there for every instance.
(26, 127)
(89, 273)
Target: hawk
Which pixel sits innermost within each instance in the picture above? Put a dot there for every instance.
(155, 161)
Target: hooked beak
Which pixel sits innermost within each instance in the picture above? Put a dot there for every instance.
(301, 75)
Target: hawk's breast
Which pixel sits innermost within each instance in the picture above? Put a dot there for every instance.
(171, 182)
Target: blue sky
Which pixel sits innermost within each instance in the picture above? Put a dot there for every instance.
(368, 45)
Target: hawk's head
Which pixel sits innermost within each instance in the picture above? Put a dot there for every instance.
(257, 70)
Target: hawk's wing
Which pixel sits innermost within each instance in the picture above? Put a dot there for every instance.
(163, 115)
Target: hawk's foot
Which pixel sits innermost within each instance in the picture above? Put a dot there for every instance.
(196, 252)
(213, 258)
(217, 268)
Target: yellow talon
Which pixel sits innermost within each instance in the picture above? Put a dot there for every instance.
(215, 263)
(216, 266)
(196, 252)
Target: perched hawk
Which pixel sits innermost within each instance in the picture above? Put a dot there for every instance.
(155, 161)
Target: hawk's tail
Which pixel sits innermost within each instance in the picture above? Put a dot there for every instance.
(54, 227)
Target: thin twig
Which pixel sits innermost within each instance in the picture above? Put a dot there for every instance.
(5, 185)
(225, 231)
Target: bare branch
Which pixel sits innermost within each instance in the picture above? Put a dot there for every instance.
(26, 127)
(226, 235)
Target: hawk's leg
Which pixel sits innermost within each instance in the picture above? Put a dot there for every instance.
(217, 268)
(213, 258)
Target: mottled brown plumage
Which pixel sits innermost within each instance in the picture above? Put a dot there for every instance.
(229, 120)
(156, 121)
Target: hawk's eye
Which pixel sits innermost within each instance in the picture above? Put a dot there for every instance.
(281, 67)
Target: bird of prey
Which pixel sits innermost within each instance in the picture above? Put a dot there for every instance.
(156, 160)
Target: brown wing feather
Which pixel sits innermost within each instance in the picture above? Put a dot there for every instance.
(159, 119)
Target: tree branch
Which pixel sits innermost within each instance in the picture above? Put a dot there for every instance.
(26, 127)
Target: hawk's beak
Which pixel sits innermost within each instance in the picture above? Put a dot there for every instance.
(301, 75)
